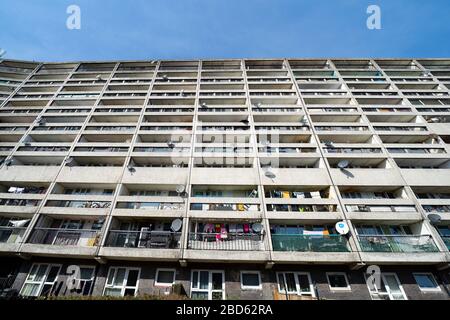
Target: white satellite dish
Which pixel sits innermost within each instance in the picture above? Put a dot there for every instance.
(180, 189)
(343, 164)
(270, 174)
(70, 162)
(171, 144)
(176, 225)
(19, 223)
(434, 218)
(342, 227)
(257, 227)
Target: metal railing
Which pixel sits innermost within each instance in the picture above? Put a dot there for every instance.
(143, 239)
(446, 240)
(397, 243)
(228, 241)
(11, 234)
(309, 243)
(65, 237)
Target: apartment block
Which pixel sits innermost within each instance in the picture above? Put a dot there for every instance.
(226, 179)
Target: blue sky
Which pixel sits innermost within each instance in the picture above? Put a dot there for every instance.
(182, 29)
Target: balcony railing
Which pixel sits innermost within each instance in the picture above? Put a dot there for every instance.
(144, 239)
(11, 234)
(446, 240)
(228, 241)
(65, 237)
(397, 243)
(309, 243)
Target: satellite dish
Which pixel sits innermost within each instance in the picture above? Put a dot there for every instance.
(9, 162)
(180, 188)
(170, 144)
(435, 119)
(434, 218)
(203, 105)
(182, 92)
(176, 225)
(70, 162)
(153, 62)
(2, 52)
(131, 168)
(245, 121)
(342, 227)
(270, 174)
(165, 78)
(98, 77)
(258, 105)
(343, 164)
(257, 227)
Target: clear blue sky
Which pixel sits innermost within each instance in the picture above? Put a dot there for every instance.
(178, 29)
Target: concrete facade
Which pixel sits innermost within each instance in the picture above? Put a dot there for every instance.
(226, 165)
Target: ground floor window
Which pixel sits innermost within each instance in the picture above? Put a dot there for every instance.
(84, 281)
(40, 280)
(208, 285)
(426, 282)
(389, 288)
(122, 282)
(251, 280)
(165, 277)
(338, 281)
(298, 283)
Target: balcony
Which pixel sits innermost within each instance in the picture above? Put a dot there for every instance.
(89, 205)
(397, 243)
(143, 239)
(237, 239)
(55, 241)
(11, 238)
(309, 243)
(309, 248)
(227, 242)
(446, 240)
(387, 249)
(154, 208)
(142, 245)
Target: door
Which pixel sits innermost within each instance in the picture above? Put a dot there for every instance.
(393, 286)
(390, 288)
(208, 285)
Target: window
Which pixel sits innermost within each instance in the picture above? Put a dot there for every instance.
(298, 283)
(251, 280)
(86, 281)
(165, 277)
(338, 281)
(122, 282)
(390, 288)
(40, 280)
(426, 282)
(208, 285)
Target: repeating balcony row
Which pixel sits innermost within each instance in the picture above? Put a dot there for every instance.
(227, 236)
